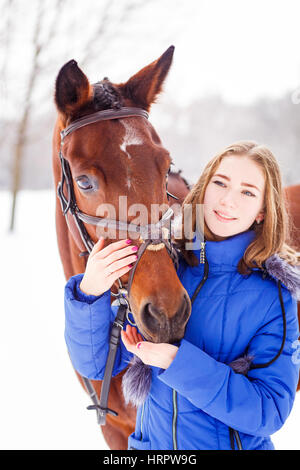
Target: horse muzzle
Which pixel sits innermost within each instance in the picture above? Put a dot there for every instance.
(158, 327)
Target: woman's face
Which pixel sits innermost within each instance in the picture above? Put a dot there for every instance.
(234, 197)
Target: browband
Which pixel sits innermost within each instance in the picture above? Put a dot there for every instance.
(103, 115)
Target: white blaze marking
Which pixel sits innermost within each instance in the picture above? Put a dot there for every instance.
(130, 138)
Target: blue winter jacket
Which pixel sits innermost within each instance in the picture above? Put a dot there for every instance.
(231, 316)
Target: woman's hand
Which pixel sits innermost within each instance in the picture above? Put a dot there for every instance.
(105, 265)
(154, 354)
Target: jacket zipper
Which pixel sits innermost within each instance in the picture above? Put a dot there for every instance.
(175, 407)
(174, 420)
(202, 253)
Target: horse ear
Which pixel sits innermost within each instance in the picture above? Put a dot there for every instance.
(143, 87)
(72, 89)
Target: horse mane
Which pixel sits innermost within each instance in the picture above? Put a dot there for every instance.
(106, 96)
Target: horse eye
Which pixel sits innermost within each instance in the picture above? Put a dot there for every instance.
(84, 182)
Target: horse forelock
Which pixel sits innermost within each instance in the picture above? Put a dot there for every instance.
(106, 96)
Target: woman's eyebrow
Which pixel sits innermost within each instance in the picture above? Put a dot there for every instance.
(243, 184)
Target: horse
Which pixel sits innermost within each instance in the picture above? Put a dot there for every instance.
(178, 186)
(292, 198)
(95, 163)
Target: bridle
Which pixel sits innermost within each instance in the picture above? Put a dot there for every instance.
(150, 235)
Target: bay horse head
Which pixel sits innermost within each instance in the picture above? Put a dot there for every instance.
(109, 153)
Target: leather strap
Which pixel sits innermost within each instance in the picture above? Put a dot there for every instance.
(104, 115)
(151, 230)
(149, 233)
(101, 406)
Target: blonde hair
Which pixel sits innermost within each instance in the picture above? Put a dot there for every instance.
(273, 233)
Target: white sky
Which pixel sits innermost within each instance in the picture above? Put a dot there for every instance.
(240, 49)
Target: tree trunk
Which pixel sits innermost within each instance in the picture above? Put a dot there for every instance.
(19, 148)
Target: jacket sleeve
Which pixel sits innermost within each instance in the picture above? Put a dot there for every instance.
(88, 321)
(256, 404)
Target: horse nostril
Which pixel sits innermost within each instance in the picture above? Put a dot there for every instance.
(166, 329)
(154, 311)
(179, 320)
(152, 317)
(185, 310)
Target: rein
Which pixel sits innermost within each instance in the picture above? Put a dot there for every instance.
(151, 234)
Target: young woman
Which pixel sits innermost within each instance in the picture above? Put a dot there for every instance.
(231, 381)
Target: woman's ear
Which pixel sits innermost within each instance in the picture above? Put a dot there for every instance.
(260, 217)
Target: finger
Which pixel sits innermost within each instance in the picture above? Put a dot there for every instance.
(130, 335)
(139, 345)
(119, 273)
(125, 339)
(122, 263)
(135, 335)
(127, 342)
(140, 338)
(98, 246)
(121, 253)
(114, 246)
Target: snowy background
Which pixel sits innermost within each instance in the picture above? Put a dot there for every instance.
(235, 75)
(42, 404)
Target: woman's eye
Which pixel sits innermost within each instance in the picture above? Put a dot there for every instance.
(219, 183)
(83, 182)
(249, 193)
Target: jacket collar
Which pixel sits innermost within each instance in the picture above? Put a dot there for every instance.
(225, 254)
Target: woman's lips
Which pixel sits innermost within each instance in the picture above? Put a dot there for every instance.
(223, 219)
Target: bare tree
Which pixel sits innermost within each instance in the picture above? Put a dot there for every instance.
(57, 31)
(111, 18)
(21, 132)
(22, 127)
(5, 40)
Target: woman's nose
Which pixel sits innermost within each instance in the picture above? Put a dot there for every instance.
(228, 200)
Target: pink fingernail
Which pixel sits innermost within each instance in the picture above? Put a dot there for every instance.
(134, 248)
(139, 345)
(128, 242)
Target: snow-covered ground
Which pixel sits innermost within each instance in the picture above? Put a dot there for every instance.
(42, 404)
